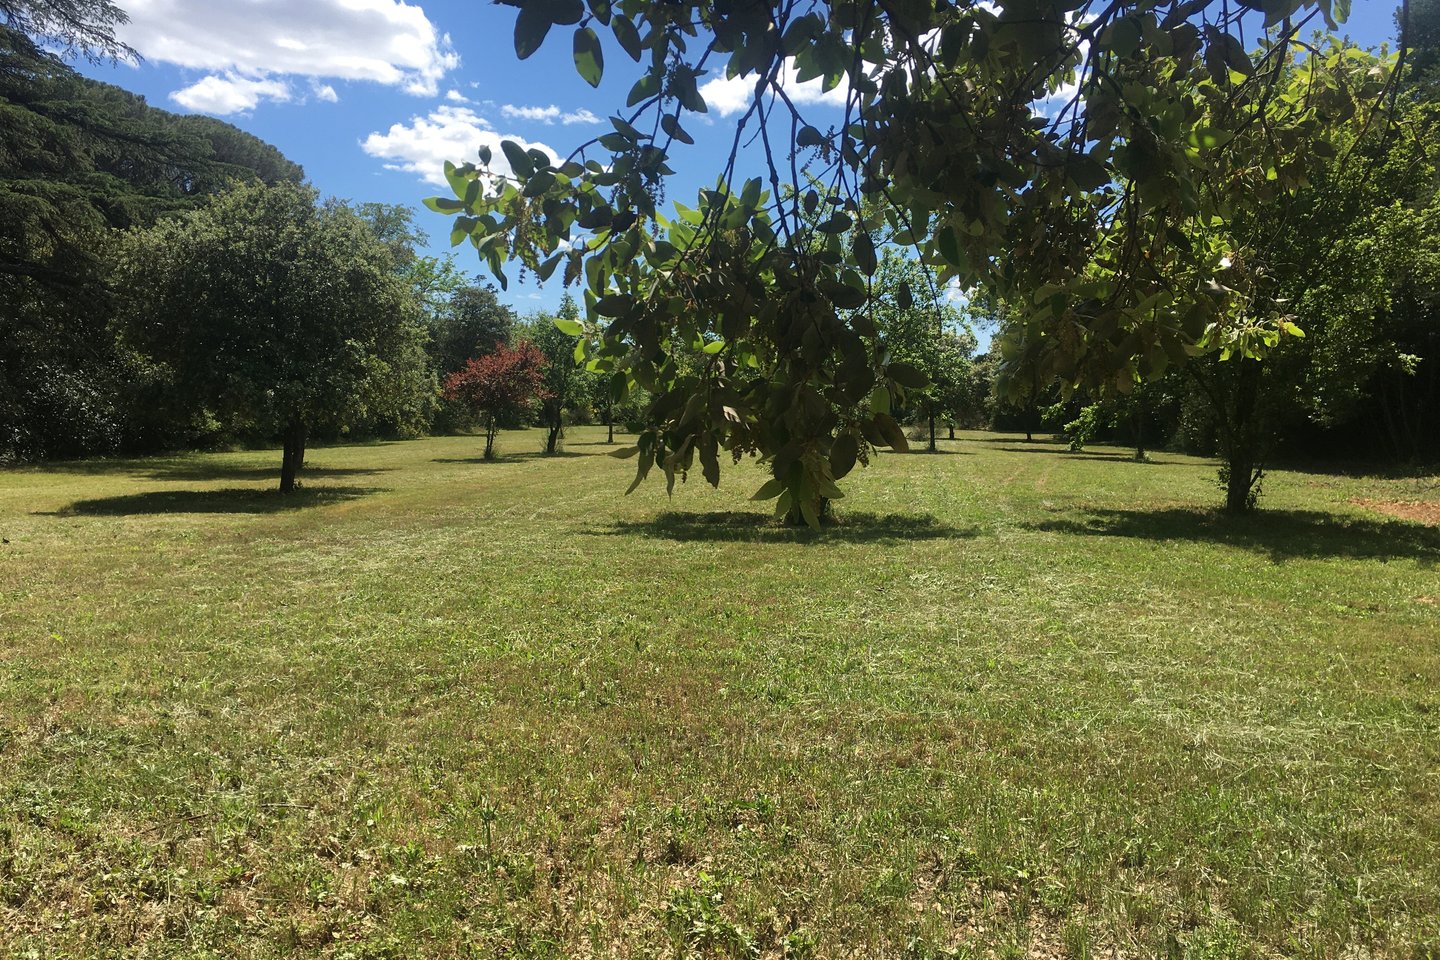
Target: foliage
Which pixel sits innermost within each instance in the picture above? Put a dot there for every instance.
(498, 383)
(922, 328)
(78, 159)
(939, 150)
(567, 385)
(275, 310)
(78, 27)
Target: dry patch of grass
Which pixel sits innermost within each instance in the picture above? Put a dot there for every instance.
(1421, 511)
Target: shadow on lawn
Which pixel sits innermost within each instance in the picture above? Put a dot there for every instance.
(918, 449)
(1283, 534)
(503, 458)
(1065, 453)
(230, 500)
(735, 525)
(186, 470)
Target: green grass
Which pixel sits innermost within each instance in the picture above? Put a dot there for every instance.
(1018, 703)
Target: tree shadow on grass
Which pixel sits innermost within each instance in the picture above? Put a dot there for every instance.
(918, 449)
(1282, 534)
(557, 455)
(229, 500)
(503, 458)
(739, 526)
(182, 470)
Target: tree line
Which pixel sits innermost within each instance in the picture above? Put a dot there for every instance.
(170, 282)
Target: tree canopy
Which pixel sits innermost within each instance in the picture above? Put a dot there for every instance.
(1105, 215)
(78, 160)
(270, 307)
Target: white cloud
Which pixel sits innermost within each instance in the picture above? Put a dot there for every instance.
(323, 91)
(455, 96)
(730, 95)
(548, 115)
(450, 133)
(249, 42)
(539, 114)
(229, 94)
(579, 116)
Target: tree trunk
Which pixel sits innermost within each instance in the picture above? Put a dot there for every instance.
(553, 423)
(952, 429)
(1238, 483)
(609, 423)
(1140, 433)
(492, 427)
(1242, 448)
(293, 456)
(794, 518)
(932, 428)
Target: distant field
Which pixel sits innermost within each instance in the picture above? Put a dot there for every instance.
(1020, 702)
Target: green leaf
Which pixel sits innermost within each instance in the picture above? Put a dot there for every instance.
(949, 245)
(531, 26)
(771, 489)
(714, 346)
(589, 61)
(519, 159)
(444, 205)
(627, 36)
(1209, 137)
(846, 297)
(709, 461)
(624, 453)
(907, 375)
(612, 305)
(571, 328)
(538, 183)
(890, 430)
(647, 86)
(685, 90)
(843, 453)
(547, 268)
(904, 297)
(864, 250)
(808, 137)
(750, 193)
(670, 125)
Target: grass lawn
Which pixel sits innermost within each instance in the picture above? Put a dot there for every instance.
(1019, 702)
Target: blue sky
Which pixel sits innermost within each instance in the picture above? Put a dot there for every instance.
(371, 96)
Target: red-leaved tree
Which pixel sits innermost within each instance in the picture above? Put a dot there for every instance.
(498, 383)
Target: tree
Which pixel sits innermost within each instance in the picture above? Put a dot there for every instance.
(922, 328)
(275, 310)
(471, 324)
(566, 384)
(80, 159)
(1214, 284)
(498, 383)
(940, 132)
(77, 27)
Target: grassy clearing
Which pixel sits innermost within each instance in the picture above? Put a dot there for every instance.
(1020, 702)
